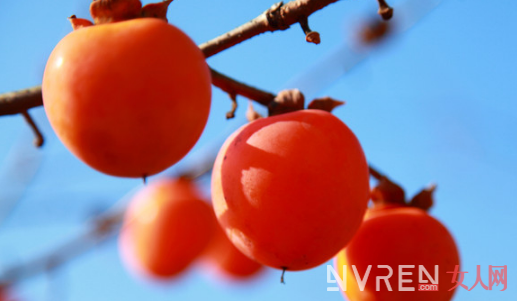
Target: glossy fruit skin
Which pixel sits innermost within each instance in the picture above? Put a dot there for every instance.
(395, 235)
(129, 98)
(165, 229)
(291, 190)
(227, 261)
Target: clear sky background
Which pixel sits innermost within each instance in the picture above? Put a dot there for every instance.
(434, 104)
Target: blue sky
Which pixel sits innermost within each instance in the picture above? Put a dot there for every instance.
(434, 104)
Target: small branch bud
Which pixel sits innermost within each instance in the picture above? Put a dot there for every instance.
(287, 101)
(78, 22)
(251, 114)
(375, 31)
(310, 36)
(38, 140)
(325, 103)
(156, 10)
(231, 114)
(385, 11)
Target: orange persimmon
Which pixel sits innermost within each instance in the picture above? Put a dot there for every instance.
(396, 235)
(291, 190)
(222, 256)
(129, 98)
(166, 228)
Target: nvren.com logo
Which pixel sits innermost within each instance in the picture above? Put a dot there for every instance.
(496, 275)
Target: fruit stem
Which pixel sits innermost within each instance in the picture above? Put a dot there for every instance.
(282, 277)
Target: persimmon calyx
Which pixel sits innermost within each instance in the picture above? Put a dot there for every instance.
(108, 11)
(325, 103)
(251, 114)
(424, 199)
(78, 22)
(287, 101)
(156, 10)
(388, 193)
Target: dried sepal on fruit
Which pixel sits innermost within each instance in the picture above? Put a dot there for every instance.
(78, 22)
(287, 101)
(109, 11)
(156, 10)
(325, 103)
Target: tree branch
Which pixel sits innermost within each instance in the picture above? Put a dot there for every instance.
(103, 228)
(20, 101)
(233, 87)
(278, 17)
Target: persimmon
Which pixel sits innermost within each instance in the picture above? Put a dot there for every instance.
(166, 227)
(396, 235)
(223, 257)
(291, 190)
(129, 98)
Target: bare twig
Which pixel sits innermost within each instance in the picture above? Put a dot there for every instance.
(232, 86)
(310, 36)
(38, 137)
(100, 230)
(385, 11)
(279, 17)
(103, 228)
(231, 114)
(20, 101)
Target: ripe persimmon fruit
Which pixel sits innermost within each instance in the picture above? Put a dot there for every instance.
(166, 227)
(129, 98)
(291, 190)
(226, 260)
(395, 235)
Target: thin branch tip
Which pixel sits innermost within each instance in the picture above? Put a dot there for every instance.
(38, 136)
(310, 36)
(385, 11)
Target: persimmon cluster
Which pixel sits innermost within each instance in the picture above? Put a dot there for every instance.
(130, 96)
